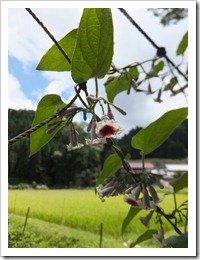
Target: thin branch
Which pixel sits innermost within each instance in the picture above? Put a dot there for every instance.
(79, 96)
(158, 209)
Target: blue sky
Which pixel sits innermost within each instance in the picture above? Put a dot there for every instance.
(27, 42)
(30, 79)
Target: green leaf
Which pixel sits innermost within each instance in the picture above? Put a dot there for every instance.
(178, 241)
(131, 214)
(180, 183)
(115, 85)
(171, 84)
(145, 236)
(182, 45)
(111, 165)
(94, 47)
(149, 138)
(134, 73)
(155, 69)
(45, 109)
(53, 59)
(158, 67)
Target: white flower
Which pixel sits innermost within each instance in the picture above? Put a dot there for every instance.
(95, 140)
(70, 147)
(143, 203)
(104, 191)
(132, 201)
(107, 128)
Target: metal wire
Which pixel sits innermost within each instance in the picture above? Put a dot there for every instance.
(161, 51)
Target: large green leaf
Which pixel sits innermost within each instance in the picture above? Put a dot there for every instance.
(149, 138)
(182, 45)
(178, 241)
(45, 109)
(53, 59)
(131, 214)
(94, 47)
(180, 183)
(111, 165)
(148, 234)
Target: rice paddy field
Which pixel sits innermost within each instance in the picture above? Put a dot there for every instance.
(72, 218)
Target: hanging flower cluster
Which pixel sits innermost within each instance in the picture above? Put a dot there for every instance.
(148, 201)
(119, 183)
(100, 129)
(140, 194)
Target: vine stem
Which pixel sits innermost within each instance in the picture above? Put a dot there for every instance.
(175, 202)
(125, 163)
(49, 34)
(158, 209)
(96, 87)
(143, 163)
(41, 124)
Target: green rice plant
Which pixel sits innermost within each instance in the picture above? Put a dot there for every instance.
(81, 209)
(41, 234)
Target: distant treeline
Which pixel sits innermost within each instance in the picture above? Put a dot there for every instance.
(54, 166)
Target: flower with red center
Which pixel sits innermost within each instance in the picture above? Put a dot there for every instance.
(132, 202)
(107, 128)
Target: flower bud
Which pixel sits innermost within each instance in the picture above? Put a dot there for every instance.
(160, 238)
(153, 194)
(145, 220)
(53, 127)
(136, 192)
(91, 99)
(110, 115)
(120, 110)
(146, 199)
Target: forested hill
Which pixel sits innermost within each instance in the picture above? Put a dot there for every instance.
(55, 166)
(176, 146)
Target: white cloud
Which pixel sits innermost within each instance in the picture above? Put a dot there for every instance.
(27, 40)
(59, 83)
(16, 97)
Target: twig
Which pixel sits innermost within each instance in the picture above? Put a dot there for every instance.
(101, 235)
(26, 219)
(158, 209)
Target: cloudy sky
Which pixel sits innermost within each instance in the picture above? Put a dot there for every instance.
(27, 43)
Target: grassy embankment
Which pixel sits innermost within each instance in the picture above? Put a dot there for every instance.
(71, 218)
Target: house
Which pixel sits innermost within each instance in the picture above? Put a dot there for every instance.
(137, 166)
